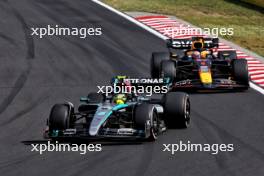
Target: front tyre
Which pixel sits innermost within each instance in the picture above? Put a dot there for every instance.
(240, 71)
(61, 117)
(146, 118)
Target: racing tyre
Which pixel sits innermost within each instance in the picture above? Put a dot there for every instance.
(94, 97)
(146, 118)
(168, 69)
(177, 109)
(240, 71)
(60, 117)
(227, 55)
(155, 62)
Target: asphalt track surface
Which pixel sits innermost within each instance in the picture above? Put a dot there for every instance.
(36, 73)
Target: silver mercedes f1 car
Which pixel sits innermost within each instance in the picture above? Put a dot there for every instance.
(119, 116)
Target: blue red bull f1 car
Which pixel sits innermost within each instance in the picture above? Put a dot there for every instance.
(193, 64)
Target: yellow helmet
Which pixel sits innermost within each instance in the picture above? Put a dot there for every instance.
(204, 54)
(120, 99)
(119, 102)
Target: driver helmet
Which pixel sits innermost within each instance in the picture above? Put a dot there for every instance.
(119, 99)
(204, 54)
(196, 55)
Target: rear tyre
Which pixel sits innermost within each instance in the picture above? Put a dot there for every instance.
(94, 97)
(227, 55)
(155, 62)
(240, 71)
(177, 109)
(168, 69)
(146, 118)
(60, 117)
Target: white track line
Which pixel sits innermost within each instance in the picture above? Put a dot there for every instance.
(149, 29)
(256, 87)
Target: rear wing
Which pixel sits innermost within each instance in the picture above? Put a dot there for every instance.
(187, 43)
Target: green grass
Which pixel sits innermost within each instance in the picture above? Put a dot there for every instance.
(248, 23)
(259, 3)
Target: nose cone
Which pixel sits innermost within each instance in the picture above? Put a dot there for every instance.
(206, 77)
(99, 118)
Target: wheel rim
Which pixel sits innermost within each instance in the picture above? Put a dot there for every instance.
(155, 126)
(187, 112)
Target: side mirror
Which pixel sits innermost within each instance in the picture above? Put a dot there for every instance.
(84, 99)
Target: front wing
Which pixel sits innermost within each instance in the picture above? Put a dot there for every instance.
(104, 133)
